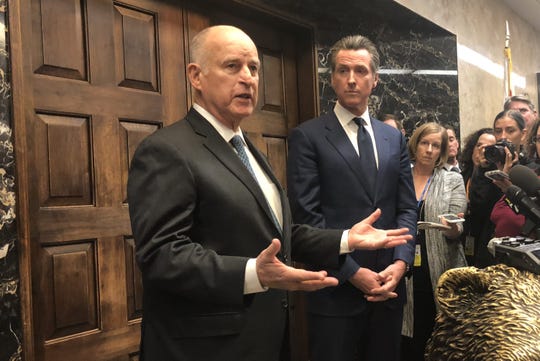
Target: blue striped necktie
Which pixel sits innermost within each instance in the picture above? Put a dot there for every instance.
(238, 144)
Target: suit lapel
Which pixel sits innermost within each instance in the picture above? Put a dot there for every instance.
(338, 138)
(215, 143)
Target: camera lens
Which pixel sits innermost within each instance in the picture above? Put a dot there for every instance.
(496, 154)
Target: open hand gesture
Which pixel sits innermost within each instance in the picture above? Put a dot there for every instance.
(364, 236)
(275, 274)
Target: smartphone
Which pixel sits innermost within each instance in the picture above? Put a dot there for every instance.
(452, 218)
(497, 175)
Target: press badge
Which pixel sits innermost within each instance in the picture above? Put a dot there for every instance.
(417, 256)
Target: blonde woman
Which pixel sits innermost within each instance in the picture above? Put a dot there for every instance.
(437, 249)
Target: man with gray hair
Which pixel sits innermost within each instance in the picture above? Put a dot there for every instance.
(522, 104)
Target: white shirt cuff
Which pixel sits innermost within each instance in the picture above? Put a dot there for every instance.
(344, 245)
(251, 280)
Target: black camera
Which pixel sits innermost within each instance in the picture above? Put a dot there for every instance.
(495, 153)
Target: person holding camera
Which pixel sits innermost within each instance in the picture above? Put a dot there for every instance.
(507, 220)
(510, 131)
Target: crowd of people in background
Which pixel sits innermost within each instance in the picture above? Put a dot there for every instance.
(449, 181)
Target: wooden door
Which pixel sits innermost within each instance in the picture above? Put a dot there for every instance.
(95, 78)
(104, 75)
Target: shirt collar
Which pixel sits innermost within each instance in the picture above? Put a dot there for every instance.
(345, 117)
(225, 132)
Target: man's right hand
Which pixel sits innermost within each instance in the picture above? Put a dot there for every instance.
(275, 274)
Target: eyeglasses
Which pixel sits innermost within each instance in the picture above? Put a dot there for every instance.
(535, 140)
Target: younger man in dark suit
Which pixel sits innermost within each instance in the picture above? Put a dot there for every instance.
(341, 165)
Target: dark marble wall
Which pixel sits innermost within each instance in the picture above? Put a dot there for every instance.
(406, 42)
(10, 315)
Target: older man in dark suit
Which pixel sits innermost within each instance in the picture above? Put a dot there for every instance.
(341, 165)
(212, 226)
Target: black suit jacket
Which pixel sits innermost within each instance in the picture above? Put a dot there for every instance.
(327, 189)
(197, 217)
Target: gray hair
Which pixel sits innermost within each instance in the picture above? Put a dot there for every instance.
(518, 98)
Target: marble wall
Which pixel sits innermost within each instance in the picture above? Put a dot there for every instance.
(418, 75)
(10, 316)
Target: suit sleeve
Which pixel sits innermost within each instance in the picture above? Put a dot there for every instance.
(162, 195)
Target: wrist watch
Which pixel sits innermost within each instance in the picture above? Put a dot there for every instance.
(408, 269)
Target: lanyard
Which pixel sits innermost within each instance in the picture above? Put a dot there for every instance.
(424, 191)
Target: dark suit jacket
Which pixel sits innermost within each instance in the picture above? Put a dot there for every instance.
(197, 216)
(326, 189)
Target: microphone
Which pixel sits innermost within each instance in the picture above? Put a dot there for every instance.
(526, 205)
(526, 179)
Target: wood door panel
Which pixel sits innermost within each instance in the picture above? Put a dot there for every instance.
(63, 160)
(60, 40)
(135, 48)
(271, 87)
(70, 301)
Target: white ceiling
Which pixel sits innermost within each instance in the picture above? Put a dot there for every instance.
(527, 9)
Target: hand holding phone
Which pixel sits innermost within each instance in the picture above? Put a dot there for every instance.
(497, 175)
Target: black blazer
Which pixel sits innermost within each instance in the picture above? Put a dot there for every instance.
(197, 217)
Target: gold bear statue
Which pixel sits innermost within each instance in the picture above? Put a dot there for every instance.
(490, 314)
